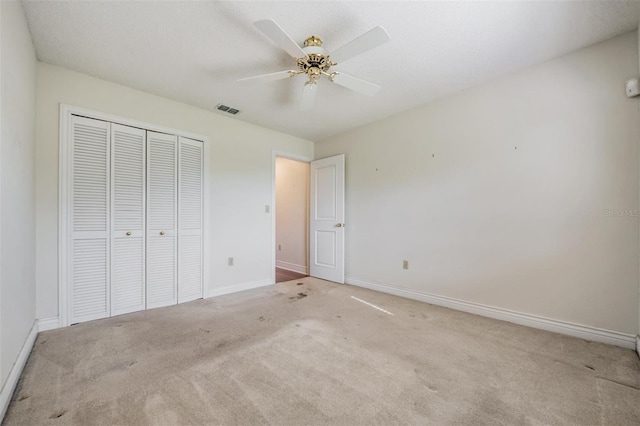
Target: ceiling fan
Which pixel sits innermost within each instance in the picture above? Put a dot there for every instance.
(314, 61)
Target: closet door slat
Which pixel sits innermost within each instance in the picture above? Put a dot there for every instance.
(190, 203)
(89, 272)
(161, 219)
(128, 198)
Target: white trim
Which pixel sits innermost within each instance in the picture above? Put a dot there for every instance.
(239, 287)
(46, 324)
(301, 269)
(16, 370)
(118, 119)
(64, 191)
(206, 215)
(562, 327)
(290, 156)
(66, 111)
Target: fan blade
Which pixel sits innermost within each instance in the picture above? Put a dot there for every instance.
(364, 43)
(270, 77)
(308, 96)
(279, 37)
(353, 83)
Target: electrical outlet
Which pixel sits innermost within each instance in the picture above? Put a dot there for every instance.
(632, 88)
(405, 264)
(267, 208)
(230, 261)
(279, 247)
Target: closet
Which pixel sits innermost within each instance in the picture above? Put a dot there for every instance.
(135, 222)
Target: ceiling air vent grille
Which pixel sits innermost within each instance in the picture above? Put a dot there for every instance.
(227, 109)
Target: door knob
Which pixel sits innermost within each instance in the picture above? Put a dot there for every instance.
(161, 232)
(339, 225)
(128, 233)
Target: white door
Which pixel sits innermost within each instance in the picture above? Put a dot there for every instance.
(190, 204)
(89, 220)
(128, 146)
(162, 191)
(327, 219)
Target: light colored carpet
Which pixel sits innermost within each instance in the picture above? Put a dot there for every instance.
(311, 354)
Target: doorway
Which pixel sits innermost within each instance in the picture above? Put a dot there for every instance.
(291, 219)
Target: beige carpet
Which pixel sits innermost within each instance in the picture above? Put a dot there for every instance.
(311, 354)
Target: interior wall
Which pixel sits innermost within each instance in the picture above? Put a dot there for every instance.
(292, 214)
(240, 176)
(17, 199)
(520, 194)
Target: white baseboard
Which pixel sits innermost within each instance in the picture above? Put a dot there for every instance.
(239, 287)
(301, 269)
(14, 375)
(45, 324)
(576, 330)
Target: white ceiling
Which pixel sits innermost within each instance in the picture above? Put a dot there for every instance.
(194, 51)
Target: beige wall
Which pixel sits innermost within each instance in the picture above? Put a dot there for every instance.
(17, 199)
(519, 194)
(240, 175)
(292, 214)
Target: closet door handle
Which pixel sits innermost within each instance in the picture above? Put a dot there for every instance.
(161, 232)
(128, 233)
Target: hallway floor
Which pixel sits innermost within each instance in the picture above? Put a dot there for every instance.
(283, 275)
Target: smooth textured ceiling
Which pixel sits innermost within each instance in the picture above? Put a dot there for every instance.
(194, 51)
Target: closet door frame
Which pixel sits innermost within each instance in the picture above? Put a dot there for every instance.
(64, 196)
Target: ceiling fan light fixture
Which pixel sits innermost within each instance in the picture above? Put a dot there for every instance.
(314, 61)
(314, 74)
(308, 96)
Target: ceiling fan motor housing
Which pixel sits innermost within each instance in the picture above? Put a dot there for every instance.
(313, 61)
(316, 62)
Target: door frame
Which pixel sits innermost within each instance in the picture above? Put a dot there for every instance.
(64, 195)
(289, 156)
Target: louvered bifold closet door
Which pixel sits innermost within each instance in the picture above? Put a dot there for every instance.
(190, 204)
(162, 162)
(128, 146)
(89, 223)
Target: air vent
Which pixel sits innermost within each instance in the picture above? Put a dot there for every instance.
(227, 109)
